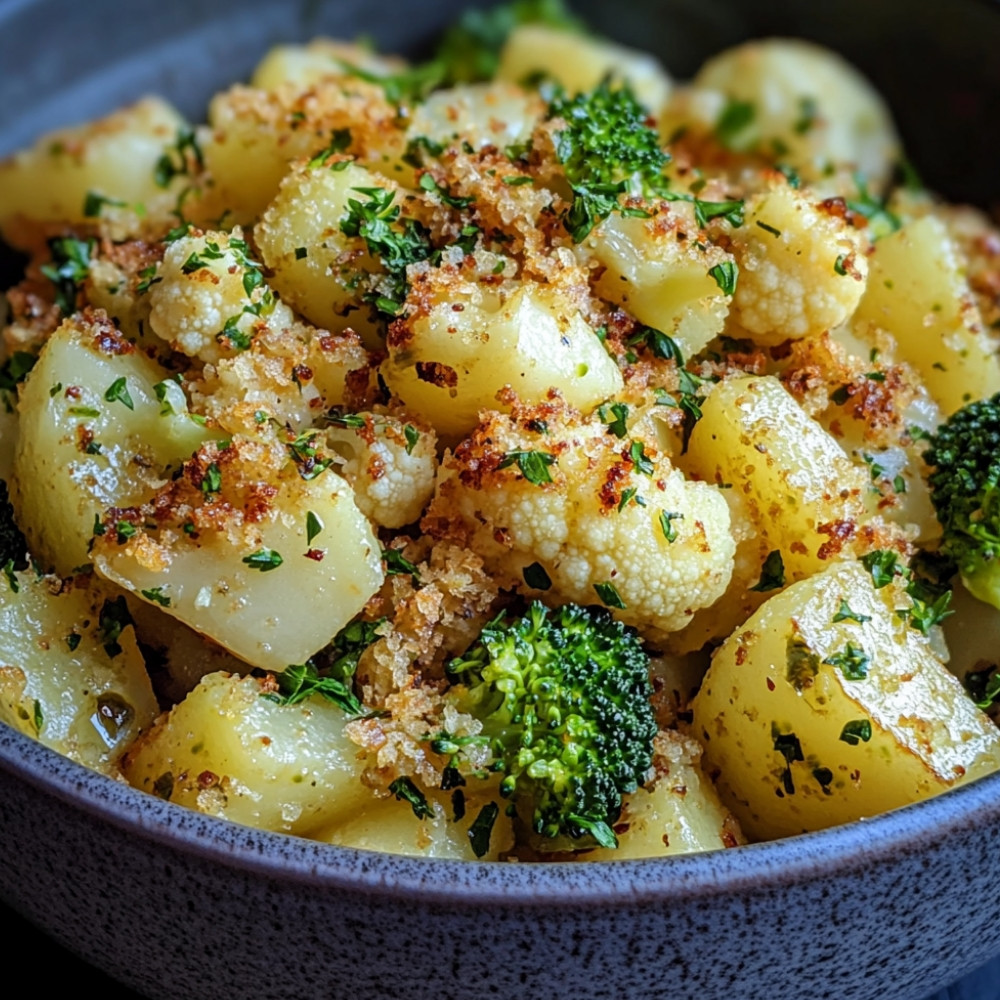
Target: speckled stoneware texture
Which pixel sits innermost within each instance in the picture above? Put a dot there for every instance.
(182, 906)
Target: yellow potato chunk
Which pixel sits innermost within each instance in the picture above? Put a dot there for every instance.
(254, 136)
(918, 292)
(679, 812)
(802, 491)
(393, 827)
(809, 103)
(246, 573)
(301, 66)
(115, 157)
(229, 750)
(661, 277)
(100, 424)
(71, 674)
(580, 63)
(449, 362)
(315, 265)
(827, 707)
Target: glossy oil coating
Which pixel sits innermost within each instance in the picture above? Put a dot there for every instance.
(179, 905)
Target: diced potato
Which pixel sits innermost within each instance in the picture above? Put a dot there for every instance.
(65, 677)
(114, 157)
(811, 721)
(657, 273)
(580, 63)
(315, 265)
(809, 107)
(301, 66)
(449, 363)
(247, 573)
(802, 491)
(254, 136)
(488, 114)
(917, 291)
(679, 813)
(94, 432)
(392, 826)
(229, 750)
(390, 464)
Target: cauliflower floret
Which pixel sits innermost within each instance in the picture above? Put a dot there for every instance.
(289, 374)
(806, 102)
(802, 268)
(390, 464)
(548, 498)
(209, 296)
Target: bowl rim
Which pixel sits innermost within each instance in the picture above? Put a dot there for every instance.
(835, 852)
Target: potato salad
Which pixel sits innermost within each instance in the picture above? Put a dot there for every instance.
(518, 455)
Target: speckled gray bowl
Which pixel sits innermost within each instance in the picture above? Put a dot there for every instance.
(178, 905)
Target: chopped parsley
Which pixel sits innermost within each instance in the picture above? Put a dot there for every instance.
(801, 663)
(412, 436)
(481, 829)
(156, 595)
(856, 731)
(211, 481)
(397, 565)
(313, 527)
(8, 571)
(772, 573)
(301, 681)
(340, 140)
(846, 614)
(184, 157)
(113, 619)
(535, 576)
(406, 791)
(667, 518)
(733, 123)
(638, 457)
(94, 203)
(853, 662)
(808, 114)
(726, 275)
(264, 559)
(787, 744)
(619, 415)
(118, 392)
(609, 596)
(606, 146)
(884, 566)
(396, 242)
(429, 184)
(70, 265)
(533, 465)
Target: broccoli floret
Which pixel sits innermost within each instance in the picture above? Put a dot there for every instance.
(607, 149)
(12, 544)
(965, 455)
(564, 698)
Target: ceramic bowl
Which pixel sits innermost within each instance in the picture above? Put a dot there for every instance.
(180, 905)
